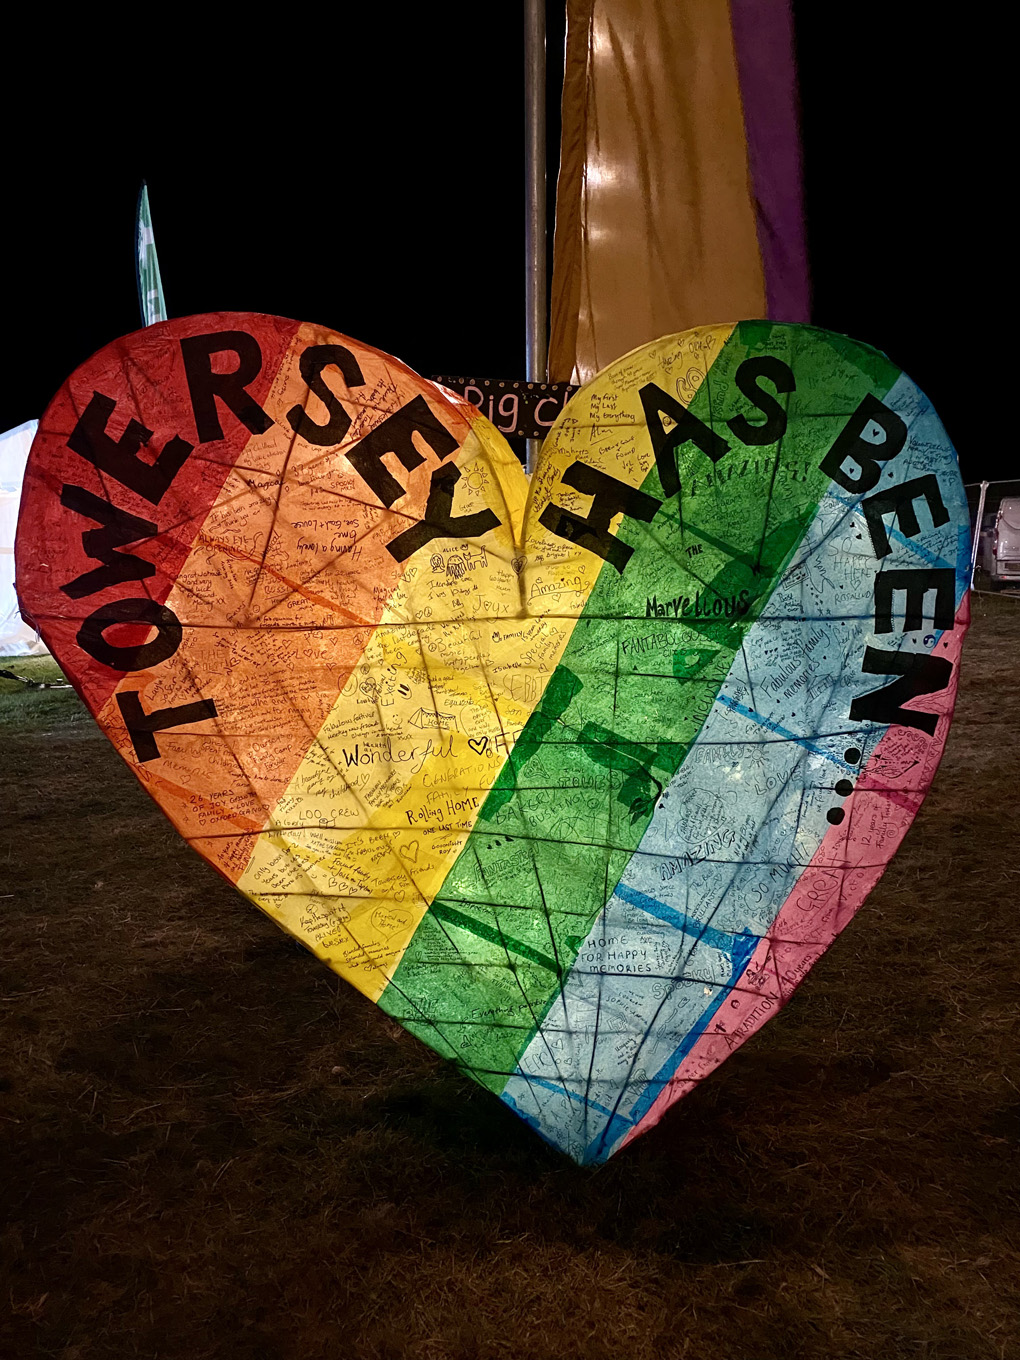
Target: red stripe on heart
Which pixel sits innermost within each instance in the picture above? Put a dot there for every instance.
(144, 374)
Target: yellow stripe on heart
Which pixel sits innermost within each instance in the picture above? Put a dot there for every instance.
(414, 742)
(603, 427)
(448, 680)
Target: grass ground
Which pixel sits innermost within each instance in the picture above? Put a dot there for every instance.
(210, 1147)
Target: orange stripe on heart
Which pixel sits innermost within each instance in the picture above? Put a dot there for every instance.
(286, 611)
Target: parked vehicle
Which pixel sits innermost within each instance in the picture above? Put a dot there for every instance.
(999, 546)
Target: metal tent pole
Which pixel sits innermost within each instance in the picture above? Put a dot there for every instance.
(536, 322)
(977, 532)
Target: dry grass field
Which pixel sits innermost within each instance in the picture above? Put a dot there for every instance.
(210, 1147)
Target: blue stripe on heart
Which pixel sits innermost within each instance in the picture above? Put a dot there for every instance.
(763, 764)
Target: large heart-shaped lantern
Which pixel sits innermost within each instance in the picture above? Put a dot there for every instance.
(575, 781)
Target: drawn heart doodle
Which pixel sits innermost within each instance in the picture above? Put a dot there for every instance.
(576, 781)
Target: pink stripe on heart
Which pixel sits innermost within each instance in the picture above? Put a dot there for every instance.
(802, 931)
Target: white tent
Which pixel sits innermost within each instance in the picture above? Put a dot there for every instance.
(16, 638)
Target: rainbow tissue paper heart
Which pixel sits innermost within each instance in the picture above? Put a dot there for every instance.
(575, 780)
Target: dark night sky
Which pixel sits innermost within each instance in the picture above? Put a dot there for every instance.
(370, 176)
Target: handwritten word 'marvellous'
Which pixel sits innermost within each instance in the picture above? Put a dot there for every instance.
(701, 607)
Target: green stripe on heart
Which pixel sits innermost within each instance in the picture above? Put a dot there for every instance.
(621, 711)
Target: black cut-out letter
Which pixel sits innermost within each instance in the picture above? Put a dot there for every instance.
(915, 582)
(919, 674)
(612, 497)
(142, 726)
(119, 457)
(688, 429)
(439, 520)
(394, 436)
(313, 360)
(901, 498)
(849, 444)
(102, 544)
(205, 385)
(780, 375)
(91, 637)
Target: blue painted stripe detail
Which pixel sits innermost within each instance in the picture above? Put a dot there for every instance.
(601, 1147)
(718, 939)
(563, 1090)
(963, 548)
(897, 536)
(784, 732)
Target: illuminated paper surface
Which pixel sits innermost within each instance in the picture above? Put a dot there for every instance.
(576, 781)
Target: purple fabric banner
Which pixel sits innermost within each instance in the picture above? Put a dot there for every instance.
(763, 39)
